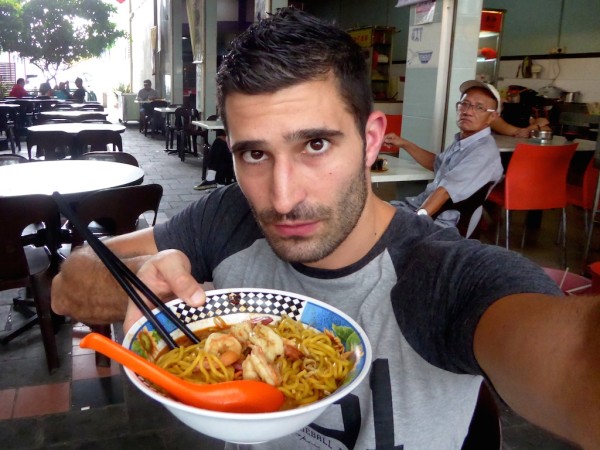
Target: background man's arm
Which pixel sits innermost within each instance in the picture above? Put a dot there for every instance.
(435, 200)
(422, 156)
(542, 355)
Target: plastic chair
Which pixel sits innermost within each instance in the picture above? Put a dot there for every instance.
(111, 212)
(583, 195)
(120, 157)
(50, 144)
(30, 266)
(150, 119)
(117, 210)
(469, 219)
(98, 140)
(570, 283)
(536, 179)
(394, 125)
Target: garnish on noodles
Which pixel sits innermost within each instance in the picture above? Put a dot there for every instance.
(305, 364)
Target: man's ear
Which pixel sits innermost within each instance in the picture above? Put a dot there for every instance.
(374, 134)
(493, 116)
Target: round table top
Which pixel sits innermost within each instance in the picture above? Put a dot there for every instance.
(75, 128)
(68, 177)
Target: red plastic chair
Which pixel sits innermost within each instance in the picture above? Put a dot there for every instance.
(583, 195)
(394, 125)
(536, 179)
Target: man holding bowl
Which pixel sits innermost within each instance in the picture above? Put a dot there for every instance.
(442, 313)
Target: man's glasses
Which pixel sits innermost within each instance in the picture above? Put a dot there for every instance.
(478, 109)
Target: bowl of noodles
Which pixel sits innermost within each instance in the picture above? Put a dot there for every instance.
(313, 353)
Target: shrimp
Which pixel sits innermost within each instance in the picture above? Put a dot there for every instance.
(257, 367)
(268, 340)
(242, 331)
(225, 346)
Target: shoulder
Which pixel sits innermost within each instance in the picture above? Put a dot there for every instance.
(207, 231)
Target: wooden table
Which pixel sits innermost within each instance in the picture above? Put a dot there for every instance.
(71, 128)
(210, 125)
(167, 111)
(507, 144)
(74, 128)
(73, 116)
(69, 177)
(400, 170)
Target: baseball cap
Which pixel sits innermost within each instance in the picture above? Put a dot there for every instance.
(485, 86)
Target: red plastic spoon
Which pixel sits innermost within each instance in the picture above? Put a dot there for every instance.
(242, 396)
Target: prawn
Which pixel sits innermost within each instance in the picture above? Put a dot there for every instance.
(257, 367)
(225, 346)
(241, 331)
(268, 340)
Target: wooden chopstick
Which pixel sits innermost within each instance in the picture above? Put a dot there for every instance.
(126, 278)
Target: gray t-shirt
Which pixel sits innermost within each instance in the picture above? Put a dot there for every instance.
(418, 294)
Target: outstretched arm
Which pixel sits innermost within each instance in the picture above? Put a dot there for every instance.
(86, 291)
(422, 156)
(542, 355)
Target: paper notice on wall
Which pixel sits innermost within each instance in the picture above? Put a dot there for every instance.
(423, 46)
(401, 3)
(424, 12)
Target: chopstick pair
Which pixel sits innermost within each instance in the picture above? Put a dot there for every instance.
(126, 278)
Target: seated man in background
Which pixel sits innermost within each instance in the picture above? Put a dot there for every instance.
(145, 94)
(18, 90)
(471, 162)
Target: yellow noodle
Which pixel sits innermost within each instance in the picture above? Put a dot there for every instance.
(317, 374)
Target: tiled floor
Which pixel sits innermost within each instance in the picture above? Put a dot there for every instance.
(83, 406)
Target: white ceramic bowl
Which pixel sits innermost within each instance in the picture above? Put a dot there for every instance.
(236, 305)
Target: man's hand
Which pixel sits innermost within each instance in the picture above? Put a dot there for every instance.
(168, 275)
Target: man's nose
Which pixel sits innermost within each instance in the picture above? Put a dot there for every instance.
(287, 188)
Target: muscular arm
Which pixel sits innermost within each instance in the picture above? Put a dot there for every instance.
(85, 290)
(422, 156)
(542, 355)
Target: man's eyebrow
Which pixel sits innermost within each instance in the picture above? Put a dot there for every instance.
(300, 135)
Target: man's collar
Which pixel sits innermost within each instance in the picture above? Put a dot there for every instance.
(474, 137)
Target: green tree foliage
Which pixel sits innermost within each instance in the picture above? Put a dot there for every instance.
(56, 34)
(10, 24)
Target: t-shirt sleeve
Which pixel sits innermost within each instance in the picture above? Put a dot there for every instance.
(209, 230)
(458, 282)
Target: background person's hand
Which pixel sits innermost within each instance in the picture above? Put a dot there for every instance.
(392, 139)
(168, 275)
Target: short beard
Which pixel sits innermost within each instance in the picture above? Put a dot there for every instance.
(338, 221)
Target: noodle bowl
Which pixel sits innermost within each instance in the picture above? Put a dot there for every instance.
(325, 356)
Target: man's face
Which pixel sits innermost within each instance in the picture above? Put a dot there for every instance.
(469, 120)
(147, 86)
(299, 160)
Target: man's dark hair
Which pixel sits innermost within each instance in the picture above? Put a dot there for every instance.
(20, 80)
(292, 47)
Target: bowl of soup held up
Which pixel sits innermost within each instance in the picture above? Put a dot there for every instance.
(310, 351)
